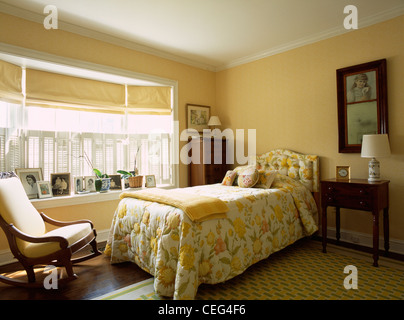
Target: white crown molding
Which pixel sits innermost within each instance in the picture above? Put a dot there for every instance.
(69, 27)
(365, 22)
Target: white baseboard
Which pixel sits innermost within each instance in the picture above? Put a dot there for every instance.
(7, 257)
(365, 239)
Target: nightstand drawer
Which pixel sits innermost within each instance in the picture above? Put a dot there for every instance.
(344, 201)
(354, 196)
(342, 190)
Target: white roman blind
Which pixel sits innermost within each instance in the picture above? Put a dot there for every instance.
(149, 100)
(54, 90)
(10, 82)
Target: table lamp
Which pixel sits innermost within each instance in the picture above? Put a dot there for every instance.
(375, 145)
(214, 121)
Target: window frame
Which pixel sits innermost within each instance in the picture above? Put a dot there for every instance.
(31, 58)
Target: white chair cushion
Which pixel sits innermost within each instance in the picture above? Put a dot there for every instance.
(71, 233)
(16, 208)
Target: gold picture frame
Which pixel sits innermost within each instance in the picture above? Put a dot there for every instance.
(343, 172)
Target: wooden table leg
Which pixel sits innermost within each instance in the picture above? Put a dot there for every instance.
(386, 231)
(375, 238)
(337, 223)
(324, 227)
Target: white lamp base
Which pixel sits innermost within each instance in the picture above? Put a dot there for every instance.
(374, 170)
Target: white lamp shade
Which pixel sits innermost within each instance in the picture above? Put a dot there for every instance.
(214, 121)
(375, 145)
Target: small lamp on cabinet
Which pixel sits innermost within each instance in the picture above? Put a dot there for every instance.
(214, 121)
(375, 145)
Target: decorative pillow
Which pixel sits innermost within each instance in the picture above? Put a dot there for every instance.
(237, 170)
(266, 178)
(229, 178)
(248, 177)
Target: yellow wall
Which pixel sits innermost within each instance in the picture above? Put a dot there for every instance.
(291, 100)
(194, 86)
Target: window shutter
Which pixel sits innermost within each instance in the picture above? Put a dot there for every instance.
(33, 151)
(62, 152)
(2, 152)
(14, 153)
(76, 153)
(48, 157)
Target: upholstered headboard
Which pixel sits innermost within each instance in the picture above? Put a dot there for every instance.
(305, 168)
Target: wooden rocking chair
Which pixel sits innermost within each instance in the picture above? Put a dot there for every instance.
(28, 239)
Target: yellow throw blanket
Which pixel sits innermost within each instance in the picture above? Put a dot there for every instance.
(198, 208)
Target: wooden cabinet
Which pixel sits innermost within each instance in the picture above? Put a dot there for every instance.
(357, 194)
(208, 161)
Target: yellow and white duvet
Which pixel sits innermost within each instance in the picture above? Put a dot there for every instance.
(182, 254)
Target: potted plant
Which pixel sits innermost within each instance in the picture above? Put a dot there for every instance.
(102, 180)
(135, 181)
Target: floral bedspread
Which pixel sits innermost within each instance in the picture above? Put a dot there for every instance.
(181, 254)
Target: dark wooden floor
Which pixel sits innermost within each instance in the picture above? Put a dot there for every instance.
(96, 277)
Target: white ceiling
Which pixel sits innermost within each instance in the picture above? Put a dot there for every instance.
(211, 34)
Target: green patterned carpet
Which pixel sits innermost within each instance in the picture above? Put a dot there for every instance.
(299, 272)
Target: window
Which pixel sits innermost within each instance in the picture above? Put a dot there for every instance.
(56, 139)
(47, 143)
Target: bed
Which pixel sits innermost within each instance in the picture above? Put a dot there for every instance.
(182, 250)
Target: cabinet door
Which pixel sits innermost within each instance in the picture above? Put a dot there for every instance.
(212, 165)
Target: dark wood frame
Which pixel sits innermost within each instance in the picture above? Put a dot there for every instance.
(117, 178)
(379, 66)
(63, 257)
(188, 113)
(66, 176)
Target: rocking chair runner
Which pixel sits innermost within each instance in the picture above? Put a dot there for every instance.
(29, 242)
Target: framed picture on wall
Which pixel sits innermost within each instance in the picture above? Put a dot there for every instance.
(197, 117)
(362, 103)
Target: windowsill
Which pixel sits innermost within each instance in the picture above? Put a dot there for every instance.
(78, 199)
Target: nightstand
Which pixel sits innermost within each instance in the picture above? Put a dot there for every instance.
(358, 194)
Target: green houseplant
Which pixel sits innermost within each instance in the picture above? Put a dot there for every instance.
(102, 180)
